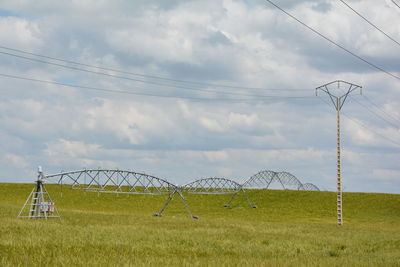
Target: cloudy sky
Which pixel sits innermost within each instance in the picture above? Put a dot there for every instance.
(191, 89)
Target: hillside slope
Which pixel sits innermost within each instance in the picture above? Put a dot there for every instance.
(287, 228)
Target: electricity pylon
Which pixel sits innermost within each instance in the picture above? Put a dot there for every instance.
(338, 102)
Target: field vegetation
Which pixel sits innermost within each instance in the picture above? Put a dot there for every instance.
(289, 228)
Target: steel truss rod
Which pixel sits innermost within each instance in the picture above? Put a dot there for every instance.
(170, 197)
(107, 180)
(264, 179)
(216, 185)
(130, 182)
(251, 205)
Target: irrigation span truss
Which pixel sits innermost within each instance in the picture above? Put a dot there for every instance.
(130, 182)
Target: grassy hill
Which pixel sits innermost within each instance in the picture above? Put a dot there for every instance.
(289, 228)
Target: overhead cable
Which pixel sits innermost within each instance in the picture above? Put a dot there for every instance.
(381, 109)
(334, 43)
(394, 2)
(364, 126)
(152, 95)
(376, 114)
(140, 75)
(129, 78)
(371, 130)
(373, 112)
(370, 23)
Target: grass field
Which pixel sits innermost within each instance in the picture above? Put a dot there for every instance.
(289, 228)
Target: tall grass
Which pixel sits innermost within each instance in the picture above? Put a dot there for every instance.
(289, 228)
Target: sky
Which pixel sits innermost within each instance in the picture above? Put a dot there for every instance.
(192, 89)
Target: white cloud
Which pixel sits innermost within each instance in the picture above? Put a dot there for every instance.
(229, 42)
(20, 31)
(133, 121)
(15, 160)
(359, 134)
(384, 174)
(62, 148)
(211, 124)
(216, 155)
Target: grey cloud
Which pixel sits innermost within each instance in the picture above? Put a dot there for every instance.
(320, 5)
(218, 38)
(206, 71)
(232, 43)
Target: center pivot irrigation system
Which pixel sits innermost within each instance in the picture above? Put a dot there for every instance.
(39, 204)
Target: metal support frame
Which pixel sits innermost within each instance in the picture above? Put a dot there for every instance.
(130, 182)
(39, 202)
(264, 179)
(251, 205)
(214, 185)
(170, 197)
(113, 181)
(338, 102)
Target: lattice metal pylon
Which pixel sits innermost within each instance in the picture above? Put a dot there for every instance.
(338, 102)
(39, 204)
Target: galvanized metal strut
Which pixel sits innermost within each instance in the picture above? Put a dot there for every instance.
(170, 197)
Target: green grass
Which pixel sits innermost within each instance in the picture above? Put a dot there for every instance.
(289, 228)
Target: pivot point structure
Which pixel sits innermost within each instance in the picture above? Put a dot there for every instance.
(338, 102)
(39, 203)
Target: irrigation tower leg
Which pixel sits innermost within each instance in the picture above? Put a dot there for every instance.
(230, 201)
(246, 196)
(186, 205)
(248, 199)
(170, 197)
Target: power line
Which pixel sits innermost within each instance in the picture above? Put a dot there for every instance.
(141, 75)
(394, 2)
(373, 131)
(364, 126)
(333, 42)
(382, 110)
(129, 78)
(370, 23)
(376, 114)
(148, 94)
(372, 111)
